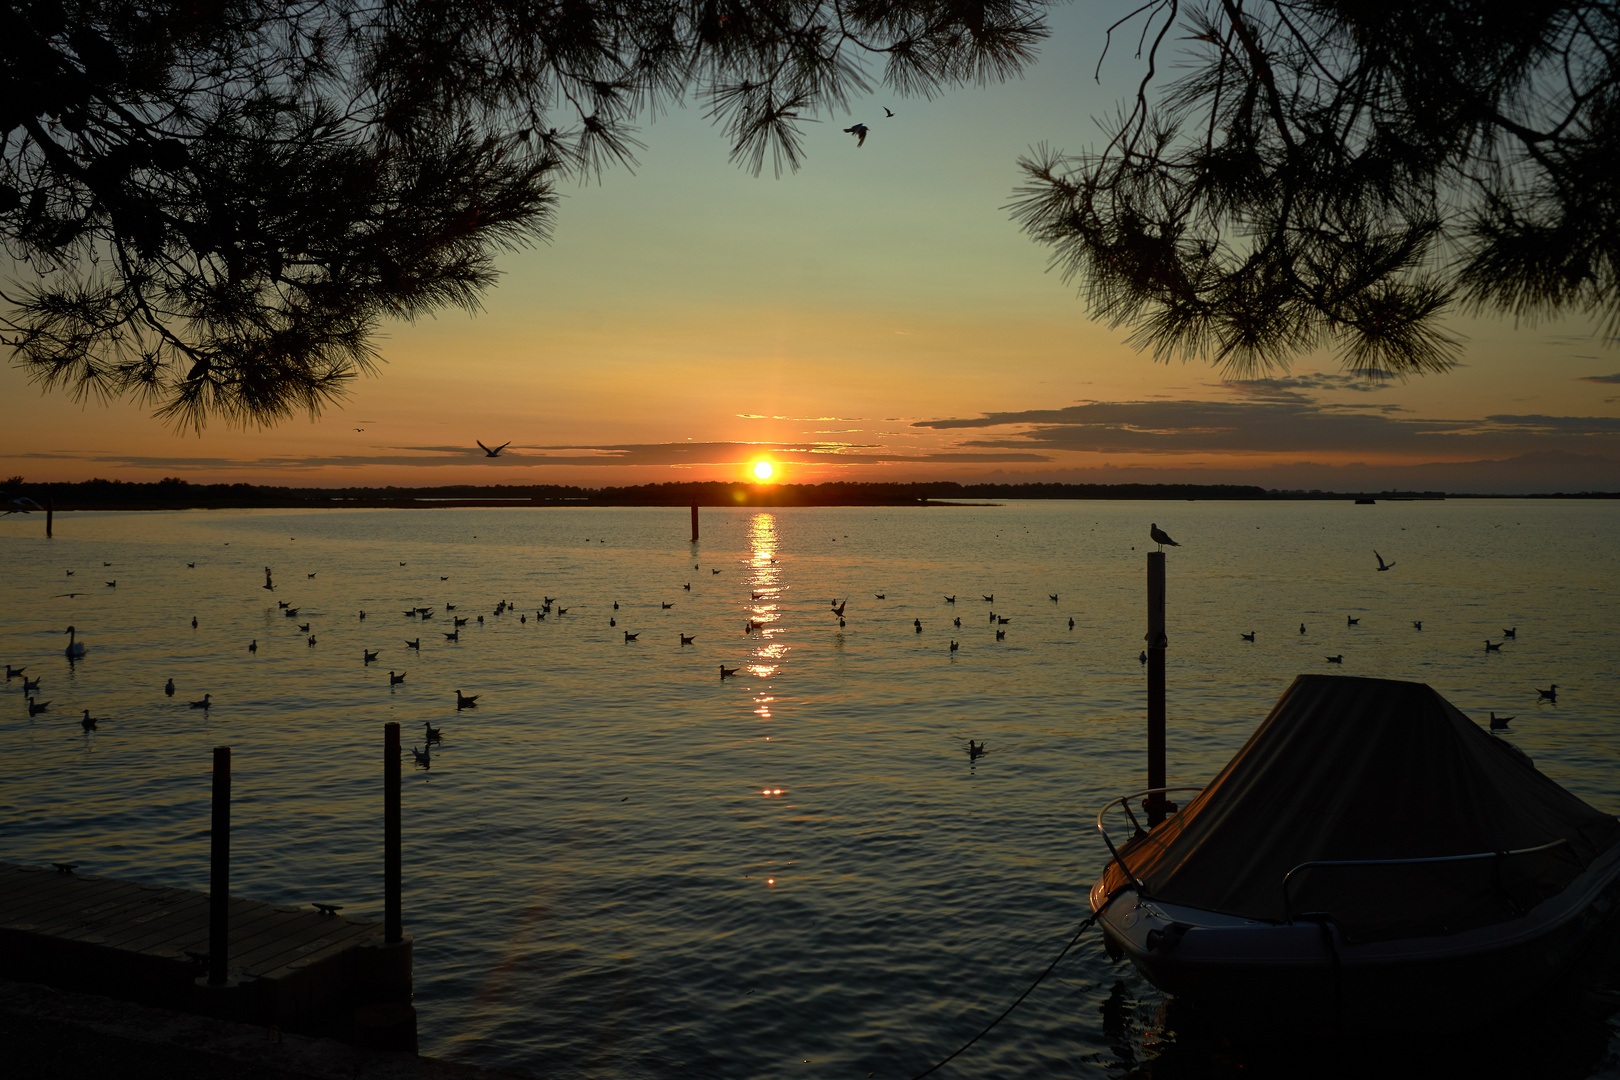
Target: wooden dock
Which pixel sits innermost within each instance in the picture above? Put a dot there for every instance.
(295, 968)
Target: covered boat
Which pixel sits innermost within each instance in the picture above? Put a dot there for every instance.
(1370, 859)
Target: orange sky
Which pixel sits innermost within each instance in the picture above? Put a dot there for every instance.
(875, 316)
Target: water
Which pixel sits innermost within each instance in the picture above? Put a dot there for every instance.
(620, 865)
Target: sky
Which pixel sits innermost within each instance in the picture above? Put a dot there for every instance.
(874, 316)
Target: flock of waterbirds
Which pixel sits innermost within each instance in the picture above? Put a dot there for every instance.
(76, 648)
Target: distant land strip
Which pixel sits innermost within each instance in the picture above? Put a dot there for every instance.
(177, 494)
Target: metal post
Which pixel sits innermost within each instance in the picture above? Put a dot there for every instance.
(1156, 644)
(219, 869)
(694, 525)
(393, 924)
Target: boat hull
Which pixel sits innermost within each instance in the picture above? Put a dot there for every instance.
(1304, 978)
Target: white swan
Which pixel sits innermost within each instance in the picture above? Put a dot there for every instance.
(75, 647)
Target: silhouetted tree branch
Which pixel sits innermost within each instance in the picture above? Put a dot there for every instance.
(1346, 172)
(213, 204)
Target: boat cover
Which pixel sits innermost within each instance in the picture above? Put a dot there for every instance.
(1348, 768)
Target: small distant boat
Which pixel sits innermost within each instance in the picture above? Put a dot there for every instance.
(1371, 860)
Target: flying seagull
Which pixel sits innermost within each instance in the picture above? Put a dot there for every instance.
(1382, 565)
(495, 452)
(887, 112)
(859, 131)
(1160, 537)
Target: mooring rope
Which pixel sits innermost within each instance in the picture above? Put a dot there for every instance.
(1008, 1011)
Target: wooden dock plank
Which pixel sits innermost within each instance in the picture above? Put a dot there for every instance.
(295, 967)
(39, 898)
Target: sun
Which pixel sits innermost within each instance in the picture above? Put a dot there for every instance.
(763, 470)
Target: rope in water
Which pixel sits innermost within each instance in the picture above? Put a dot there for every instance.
(1008, 1011)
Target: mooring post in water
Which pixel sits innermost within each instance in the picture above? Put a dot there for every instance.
(219, 870)
(694, 525)
(1156, 644)
(393, 923)
(50, 513)
(383, 972)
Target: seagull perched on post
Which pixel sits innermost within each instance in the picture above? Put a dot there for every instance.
(859, 131)
(1160, 537)
(495, 452)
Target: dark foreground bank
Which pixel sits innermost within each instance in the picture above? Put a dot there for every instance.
(57, 1035)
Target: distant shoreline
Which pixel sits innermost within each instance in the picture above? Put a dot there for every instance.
(176, 494)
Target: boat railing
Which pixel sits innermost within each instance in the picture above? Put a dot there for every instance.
(1319, 864)
(1125, 802)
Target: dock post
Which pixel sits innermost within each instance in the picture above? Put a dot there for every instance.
(50, 514)
(694, 525)
(1156, 645)
(388, 1020)
(219, 870)
(393, 922)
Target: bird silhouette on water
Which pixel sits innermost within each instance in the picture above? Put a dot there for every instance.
(395, 680)
(1492, 648)
(37, 707)
(1247, 637)
(168, 688)
(205, 703)
(1335, 659)
(432, 734)
(1549, 694)
(727, 672)
(465, 702)
(367, 656)
(13, 672)
(31, 686)
(1498, 723)
(686, 639)
(89, 722)
(628, 636)
(1160, 537)
(75, 647)
(1513, 633)
(1348, 621)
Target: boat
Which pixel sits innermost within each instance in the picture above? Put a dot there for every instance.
(1370, 861)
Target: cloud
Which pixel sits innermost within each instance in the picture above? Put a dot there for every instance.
(1288, 423)
(1615, 378)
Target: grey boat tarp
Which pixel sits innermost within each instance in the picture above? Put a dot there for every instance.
(1348, 768)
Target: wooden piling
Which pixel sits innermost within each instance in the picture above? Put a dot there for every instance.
(694, 525)
(219, 870)
(393, 921)
(50, 515)
(1156, 645)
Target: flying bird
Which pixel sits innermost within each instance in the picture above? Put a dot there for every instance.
(1382, 565)
(1159, 536)
(859, 131)
(888, 113)
(495, 452)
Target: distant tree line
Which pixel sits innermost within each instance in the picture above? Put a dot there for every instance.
(177, 493)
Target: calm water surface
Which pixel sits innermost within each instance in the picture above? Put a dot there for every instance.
(619, 865)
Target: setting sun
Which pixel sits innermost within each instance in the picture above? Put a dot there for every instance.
(763, 470)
